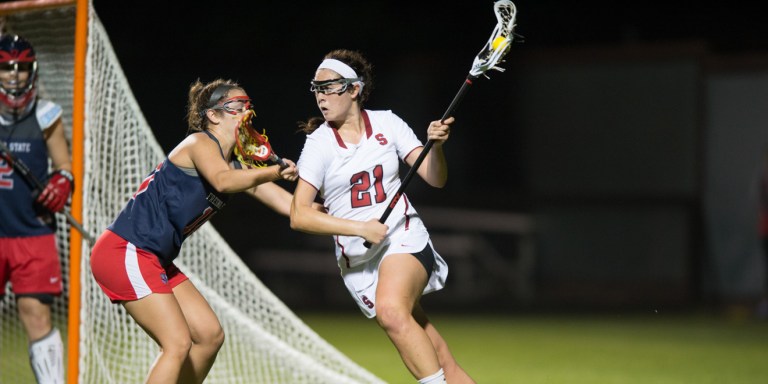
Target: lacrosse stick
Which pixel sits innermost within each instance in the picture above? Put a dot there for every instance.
(27, 174)
(253, 148)
(492, 54)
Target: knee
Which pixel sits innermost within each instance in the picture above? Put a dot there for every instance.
(218, 338)
(212, 337)
(36, 321)
(35, 316)
(177, 348)
(392, 318)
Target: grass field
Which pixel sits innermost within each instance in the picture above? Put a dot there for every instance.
(572, 349)
(654, 348)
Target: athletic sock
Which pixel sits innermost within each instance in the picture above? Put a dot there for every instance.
(47, 358)
(435, 378)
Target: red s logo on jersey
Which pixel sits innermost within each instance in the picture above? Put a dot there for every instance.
(368, 303)
(145, 184)
(381, 139)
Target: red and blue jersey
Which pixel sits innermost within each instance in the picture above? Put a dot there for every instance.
(20, 216)
(169, 205)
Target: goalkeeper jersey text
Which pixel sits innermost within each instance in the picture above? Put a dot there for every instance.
(20, 216)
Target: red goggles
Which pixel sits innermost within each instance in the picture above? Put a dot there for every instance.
(234, 105)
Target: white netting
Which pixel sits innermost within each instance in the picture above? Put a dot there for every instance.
(265, 341)
(52, 33)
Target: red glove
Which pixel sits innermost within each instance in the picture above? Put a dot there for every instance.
(56, 193)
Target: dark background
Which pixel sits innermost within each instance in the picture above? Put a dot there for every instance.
(422, 52)
(273, 47)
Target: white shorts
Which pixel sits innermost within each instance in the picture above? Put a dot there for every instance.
(362, 280)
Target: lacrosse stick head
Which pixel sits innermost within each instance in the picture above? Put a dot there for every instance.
(252, 148)
(500, 41)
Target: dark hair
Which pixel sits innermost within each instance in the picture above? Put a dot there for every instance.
(362, 67)
(204, 96)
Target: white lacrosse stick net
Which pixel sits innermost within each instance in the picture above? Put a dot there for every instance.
(499, 43)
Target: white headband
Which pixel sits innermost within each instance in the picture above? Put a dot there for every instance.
(337, 66)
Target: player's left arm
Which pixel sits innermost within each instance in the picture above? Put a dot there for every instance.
(434, 170)
(58, 149)
(273, 196)
(61, 183)
(277, 198)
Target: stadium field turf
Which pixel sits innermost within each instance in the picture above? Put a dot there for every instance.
(612, 348)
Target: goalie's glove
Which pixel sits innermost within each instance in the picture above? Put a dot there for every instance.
(56, 193)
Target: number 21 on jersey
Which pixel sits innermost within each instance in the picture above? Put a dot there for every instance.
(360, 194)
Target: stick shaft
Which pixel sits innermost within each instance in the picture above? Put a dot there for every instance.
(411, 172)
(27, 174)
(279, 160)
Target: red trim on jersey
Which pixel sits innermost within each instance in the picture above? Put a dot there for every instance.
(368, 128)
(407, 217)
(409, 153)
(346, 259)
(313, 186)
(339, 140)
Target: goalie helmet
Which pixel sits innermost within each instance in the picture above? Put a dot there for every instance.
(18, 76)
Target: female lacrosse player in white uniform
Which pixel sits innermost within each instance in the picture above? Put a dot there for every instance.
(351, 158)
(133, 259)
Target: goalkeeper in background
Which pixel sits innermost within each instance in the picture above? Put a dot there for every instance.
(33, 131)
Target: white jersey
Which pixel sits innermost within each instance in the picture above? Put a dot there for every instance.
(357, 181)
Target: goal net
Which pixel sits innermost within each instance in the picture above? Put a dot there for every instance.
(52, 33)
(265, 341)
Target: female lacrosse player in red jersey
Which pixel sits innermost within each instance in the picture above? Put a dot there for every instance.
(351, 157)
(133, 259)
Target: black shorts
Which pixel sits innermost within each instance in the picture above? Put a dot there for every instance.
(427, 258)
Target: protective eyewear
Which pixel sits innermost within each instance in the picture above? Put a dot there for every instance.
(327, 87)
(234, 105)
(18, 66)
